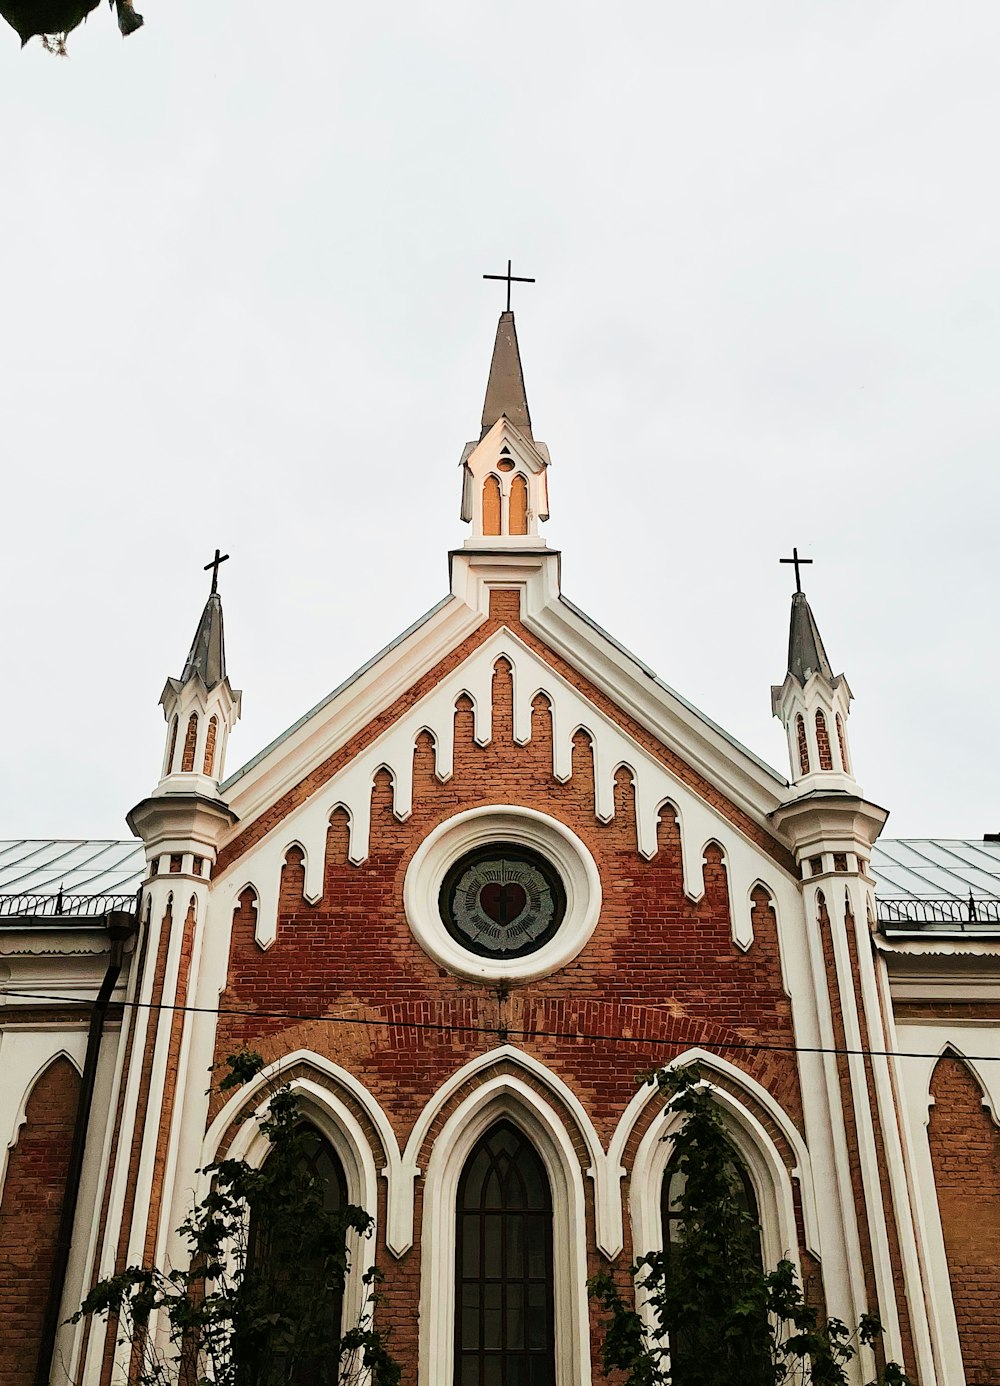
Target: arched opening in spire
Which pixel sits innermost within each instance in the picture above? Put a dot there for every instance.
(491, 505)
(518, 506)
(803, 744)
(190, 741)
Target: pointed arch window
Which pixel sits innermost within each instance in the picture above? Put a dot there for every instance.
(190, 741)
(504, 1316)
(518, 506)
(273, 1262)
(691, 1350)
(491, 505)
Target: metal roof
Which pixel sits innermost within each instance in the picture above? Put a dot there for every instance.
(916, 868)
(928, 868)
(75, 865)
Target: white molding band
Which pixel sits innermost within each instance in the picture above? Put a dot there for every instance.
(750, 1138)
(607, 1195)
(399, 1236)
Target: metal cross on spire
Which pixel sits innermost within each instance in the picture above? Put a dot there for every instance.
(510, 279)
(214, 565)
(798, 562)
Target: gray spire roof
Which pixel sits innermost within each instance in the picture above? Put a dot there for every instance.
(505, 394)
(806, 655)
(207, 656)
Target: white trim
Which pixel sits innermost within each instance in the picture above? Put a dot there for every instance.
(504, 1096)
(323, 1109)
(326, 1068)
(760, 1157)
(478, 827)
(607, 1194)
(30, 1040)
(771, 1179)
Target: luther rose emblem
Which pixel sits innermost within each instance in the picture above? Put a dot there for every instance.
(502, 901)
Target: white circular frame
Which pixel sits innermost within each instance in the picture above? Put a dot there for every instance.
(478, 828)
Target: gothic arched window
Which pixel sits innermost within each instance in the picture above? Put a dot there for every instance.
(504, 1332)
(690, 1348)
(277, 1264)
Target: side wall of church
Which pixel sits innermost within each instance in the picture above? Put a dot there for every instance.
(965, 1150)
(32, 1196)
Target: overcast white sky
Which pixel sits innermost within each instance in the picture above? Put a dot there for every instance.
(241, 305)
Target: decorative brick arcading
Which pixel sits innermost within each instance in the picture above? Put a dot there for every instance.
(800, 732)
(965, 1152)
(823, 742)
(29, 1217)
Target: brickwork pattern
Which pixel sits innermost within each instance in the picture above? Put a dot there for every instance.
(823, 742)
(29, 1217)
(660, 974)
(842, 740)
(803, 744)
(210, 739)
(965, 1152)
(190, 739)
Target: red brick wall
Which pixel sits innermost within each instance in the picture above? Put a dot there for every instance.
(965, 1150)
(660, 974)
(29, 1218)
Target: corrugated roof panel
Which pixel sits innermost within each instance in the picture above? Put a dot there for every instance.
(76, 865)
(918, 868)
(936, 868)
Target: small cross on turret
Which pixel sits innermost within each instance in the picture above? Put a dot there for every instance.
(510, 279)
(799, 562)
(214, 565)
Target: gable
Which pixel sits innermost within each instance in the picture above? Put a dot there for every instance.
(663, 782)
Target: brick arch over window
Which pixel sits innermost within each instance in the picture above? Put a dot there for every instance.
(965, 1153)
(29, 1216)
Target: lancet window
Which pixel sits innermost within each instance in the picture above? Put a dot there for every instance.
(504, 1329)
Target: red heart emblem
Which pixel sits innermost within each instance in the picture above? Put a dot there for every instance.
(503, 902)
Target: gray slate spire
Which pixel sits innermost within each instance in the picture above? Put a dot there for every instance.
(505, 390)
(806, 655)
(207, 656)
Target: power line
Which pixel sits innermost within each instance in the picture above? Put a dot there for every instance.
(506, 1031)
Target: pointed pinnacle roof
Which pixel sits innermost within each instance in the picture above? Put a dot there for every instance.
(207, 656)
(806, 655)
(505, 394)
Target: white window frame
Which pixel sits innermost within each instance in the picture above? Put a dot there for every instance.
(504, 1096)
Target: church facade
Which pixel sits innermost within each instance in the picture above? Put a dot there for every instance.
(459, 906)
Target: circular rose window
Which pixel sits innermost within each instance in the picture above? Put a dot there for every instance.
(502, 901)
(502, 894)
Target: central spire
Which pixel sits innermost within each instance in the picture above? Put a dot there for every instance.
(505, 393)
